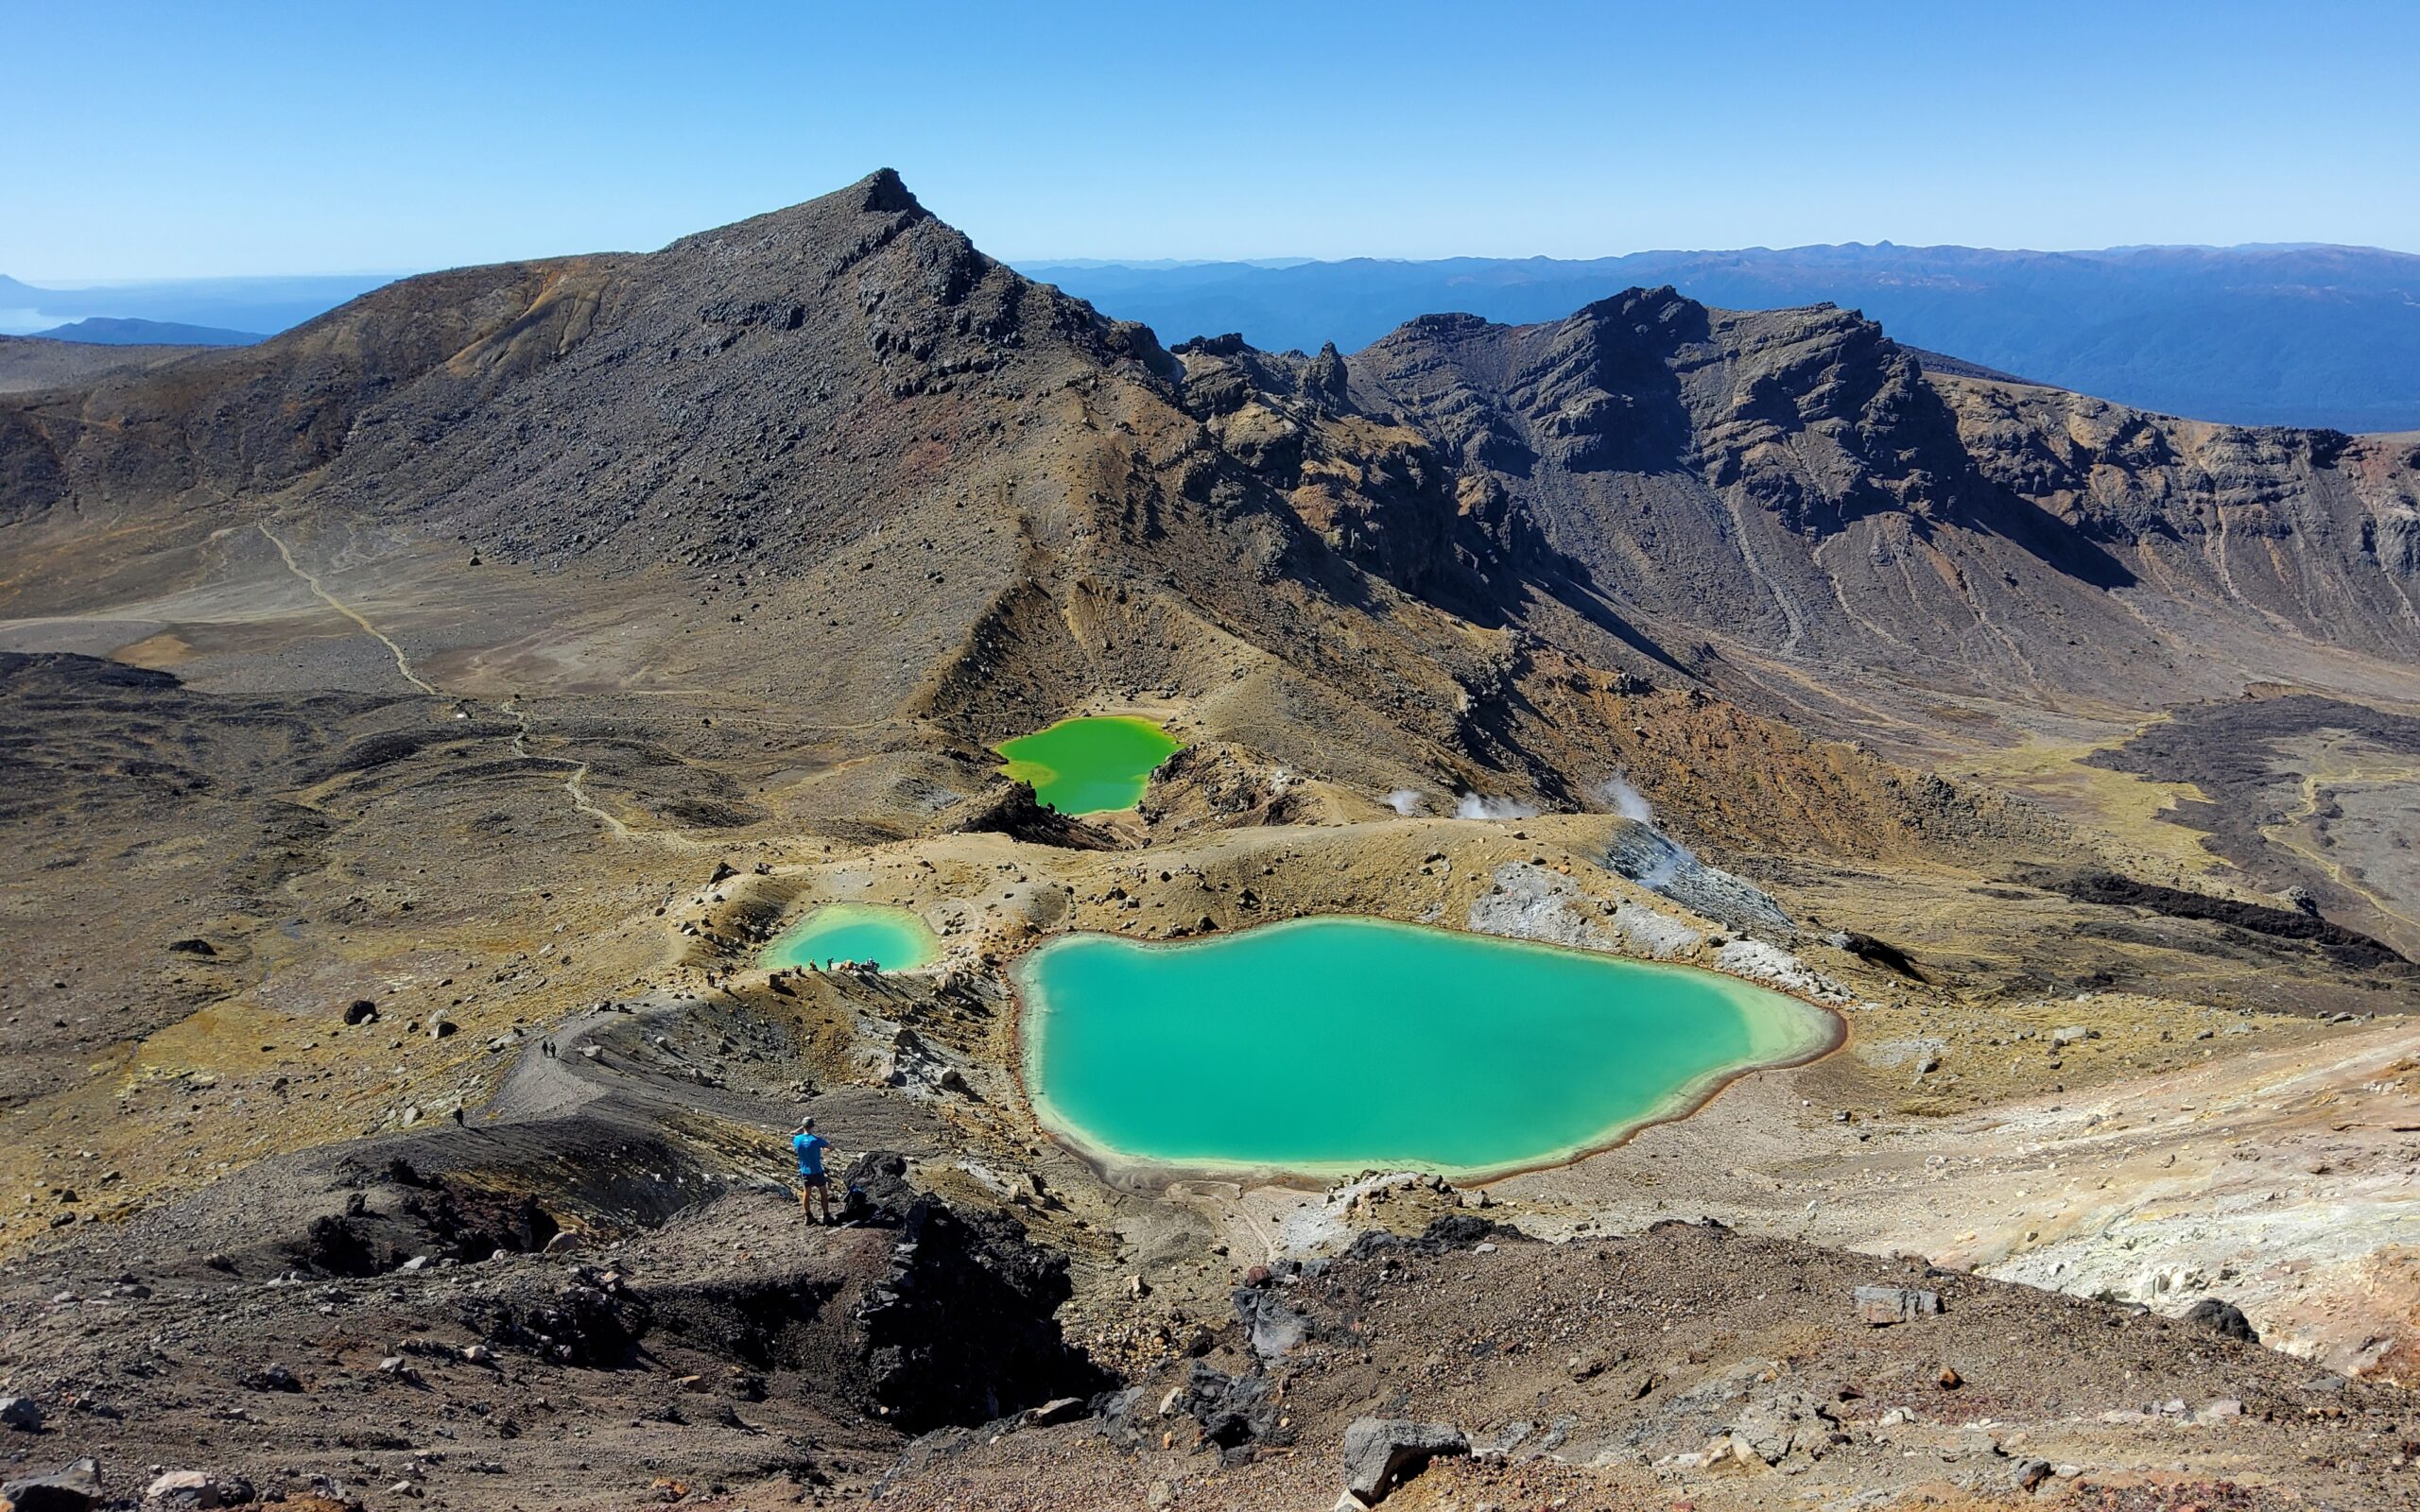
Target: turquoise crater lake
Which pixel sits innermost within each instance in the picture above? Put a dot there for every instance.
(1331, 1045)
(1090, 765)
(893, 938)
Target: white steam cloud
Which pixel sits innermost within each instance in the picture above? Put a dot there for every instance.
(1660, 871)
(1665, 856)
(1472, 806)
(1627, 800)
(1404, 800)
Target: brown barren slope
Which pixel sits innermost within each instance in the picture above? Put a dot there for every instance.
(514, 649)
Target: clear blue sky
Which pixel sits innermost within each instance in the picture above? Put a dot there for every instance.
(183, 139)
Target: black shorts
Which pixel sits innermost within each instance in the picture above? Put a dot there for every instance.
(815, 1178)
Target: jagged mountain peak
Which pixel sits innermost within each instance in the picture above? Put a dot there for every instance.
(884, 191)
(1668, 474)
(828, 222)
(808, 324)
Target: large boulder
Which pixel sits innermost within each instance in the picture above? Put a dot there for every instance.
(2224, 1318)
(77, 1488)
(417, 1214)
(595, 1320)
(23, 1414)
(1271, 1328)
(1237, 1414)
(962, 1285)
(1774, 1424)
(198, 1489)
(1884, 1305)
(269, 1378)
(1381, 1453)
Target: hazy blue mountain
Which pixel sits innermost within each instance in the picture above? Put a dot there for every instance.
(107, 331)
(265, 305)
(2287, 335)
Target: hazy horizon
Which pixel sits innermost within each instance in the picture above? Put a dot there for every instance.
(1106, 132)
(71, 282)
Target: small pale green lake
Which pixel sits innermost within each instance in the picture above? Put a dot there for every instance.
(893, 938)
(1327, 1046)
(1090, 765)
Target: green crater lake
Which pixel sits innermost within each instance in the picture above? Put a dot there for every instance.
(1090, 765)
(1328, 1046)
(893, 938)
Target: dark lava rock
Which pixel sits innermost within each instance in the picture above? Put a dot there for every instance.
(1237, 1412)
(2345, 947)
(334, 1246)
(877, 1189)
(361, 1010)
(1229, 345)
(1011, 809)
(761, 1323)
(2224, 1318)
(1454, 1230)
(430, 1215)
(1325, 377)
(76, 1488)
(273, 1378)
(962, 1287)
(584, 1323)
(1881, 952)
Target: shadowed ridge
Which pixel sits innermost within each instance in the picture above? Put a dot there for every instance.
(880, 196)
(884, 191)
(1756, 473)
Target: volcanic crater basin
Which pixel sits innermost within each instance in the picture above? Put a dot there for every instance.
(1092, 765)
(1326, 1046)
(893, 938)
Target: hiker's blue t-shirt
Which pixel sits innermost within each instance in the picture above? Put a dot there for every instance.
(810, 1150)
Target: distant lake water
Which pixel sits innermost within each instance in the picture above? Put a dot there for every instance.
(893, 938)
(1090, 765)
(1328, 1046)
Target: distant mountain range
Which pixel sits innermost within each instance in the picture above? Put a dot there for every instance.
(2262, 335)
(110, 331)
(232, 310)
(2272, 334)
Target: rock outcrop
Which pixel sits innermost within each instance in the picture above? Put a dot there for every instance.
(1382, 1452)
(962, 1286)
(75, 1488)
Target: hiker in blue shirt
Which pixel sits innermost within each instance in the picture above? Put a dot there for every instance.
(810, 1147)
